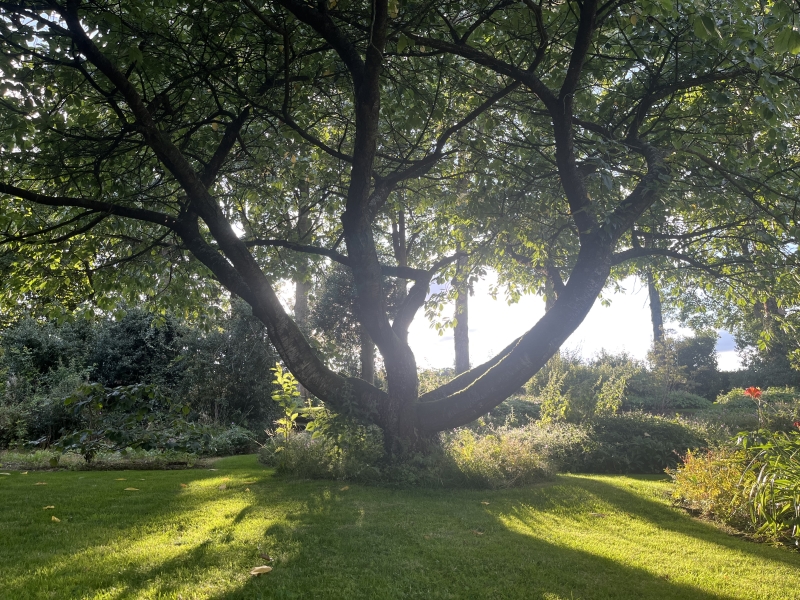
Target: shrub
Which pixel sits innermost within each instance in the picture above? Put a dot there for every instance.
(783, 395)
(715, 483)
(775, 409)
(232, 439)
(34, 408)
(638, 443)
(719, 423)
(498, 458)
(572, 391)
(675, 400)
(136, 416)
(299, 455)
(336, 450)
(514, 411)
(683, 400)
(735, 398)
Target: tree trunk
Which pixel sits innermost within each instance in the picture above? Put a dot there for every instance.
(549, 294)
(367, 357)
(474, 393)
(461, 332)
(399, 245)
(302, 284)
(656, 316)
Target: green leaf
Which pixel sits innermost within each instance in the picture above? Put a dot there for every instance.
(705, 28)
(788, 41)
(403, 42)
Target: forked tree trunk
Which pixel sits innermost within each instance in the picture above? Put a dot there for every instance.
(407, 419)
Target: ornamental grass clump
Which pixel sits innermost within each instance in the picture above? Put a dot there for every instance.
(774, 494)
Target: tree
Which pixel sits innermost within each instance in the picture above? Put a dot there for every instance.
(151, 152)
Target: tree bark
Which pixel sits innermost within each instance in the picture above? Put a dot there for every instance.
(400, 248)
(367, 357)
(461, 331)
(656, 314)
(526, 355)
(302, 284)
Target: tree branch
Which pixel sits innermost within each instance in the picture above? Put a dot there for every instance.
(131, 212)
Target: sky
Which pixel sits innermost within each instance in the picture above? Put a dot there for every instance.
(623, 326)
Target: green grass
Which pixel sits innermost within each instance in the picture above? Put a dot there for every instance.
(577, 537)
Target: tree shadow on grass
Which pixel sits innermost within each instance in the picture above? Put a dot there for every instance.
(468, 554)
(356, 542)
(92, 544)
(679, 521)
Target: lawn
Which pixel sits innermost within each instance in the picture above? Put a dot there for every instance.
(197, 533)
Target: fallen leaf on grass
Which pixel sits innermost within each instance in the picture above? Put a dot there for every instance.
(246, 489)
(184, 485)
(344, 489)
(223, 487)
(24, 473)
(40, 483)
(120, 479)
(213, 469)
(485, 503)
(266, 557)
(5, 473)
(55, 518)
(476, 532)
(131, 490)
(260, 570)
(47, 507)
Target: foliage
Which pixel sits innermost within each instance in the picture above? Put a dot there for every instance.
(227, 440)
(637, 442)
(698, 357)
(516, 411)
(160, 156)
(715, 483)
(754, 487)
(354, 453)
(219, 373)
(332, 445)
(138, 348)
(501, 457)
(775, 408)
(575, 392)
(676, 399)
(136, 416)
(718, 424)
(112, 461)
(288, 398)
(32, 407)
(774, 495)
(223, 371)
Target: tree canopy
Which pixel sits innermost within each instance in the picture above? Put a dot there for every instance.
(164, 151)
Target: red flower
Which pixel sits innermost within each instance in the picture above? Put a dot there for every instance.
(753, 392)
(796, 424)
